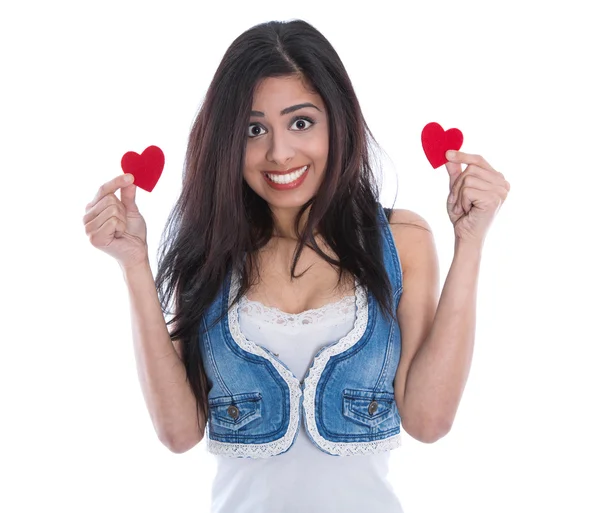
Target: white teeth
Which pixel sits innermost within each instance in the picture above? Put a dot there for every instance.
(283, 179)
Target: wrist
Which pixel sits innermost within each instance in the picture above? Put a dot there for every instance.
(468, 247)
(133, 269)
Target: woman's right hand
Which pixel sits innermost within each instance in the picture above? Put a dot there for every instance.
(116, 226)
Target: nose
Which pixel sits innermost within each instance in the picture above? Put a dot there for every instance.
(280, 151)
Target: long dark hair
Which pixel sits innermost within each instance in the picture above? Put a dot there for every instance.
(219, 220)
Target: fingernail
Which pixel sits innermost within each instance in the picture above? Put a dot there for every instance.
(128, 178)
(450, 154)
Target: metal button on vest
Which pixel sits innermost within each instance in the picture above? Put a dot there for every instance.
(373, 407)
(233, 412)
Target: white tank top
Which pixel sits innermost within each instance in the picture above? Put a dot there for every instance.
(304, 478)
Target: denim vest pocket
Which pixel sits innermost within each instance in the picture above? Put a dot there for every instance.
(367, 407)
(235, 411)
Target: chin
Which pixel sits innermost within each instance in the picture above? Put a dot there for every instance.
(293, 202)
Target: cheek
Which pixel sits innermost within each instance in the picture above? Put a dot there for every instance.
(319, 152)
(320, 144)
(324, 148)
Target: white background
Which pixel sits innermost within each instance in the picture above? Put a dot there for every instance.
(82, 83)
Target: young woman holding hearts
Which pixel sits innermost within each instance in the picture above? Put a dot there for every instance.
(300, 382)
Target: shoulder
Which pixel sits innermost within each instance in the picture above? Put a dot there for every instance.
(401, 218)
(412, 236)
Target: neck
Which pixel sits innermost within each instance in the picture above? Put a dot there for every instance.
(284, 220)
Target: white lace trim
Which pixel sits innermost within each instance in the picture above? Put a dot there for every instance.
(310, 385)
(281, 444)
(272, 315)
(314, 375)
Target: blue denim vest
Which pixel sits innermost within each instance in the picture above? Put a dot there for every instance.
(346, 399)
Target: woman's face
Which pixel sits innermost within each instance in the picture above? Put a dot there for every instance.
(287, 130)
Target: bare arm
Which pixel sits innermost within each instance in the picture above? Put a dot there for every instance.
(437, 332)
(169, 397)
(438, 373)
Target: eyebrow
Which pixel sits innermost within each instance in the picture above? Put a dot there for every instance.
(287, 110)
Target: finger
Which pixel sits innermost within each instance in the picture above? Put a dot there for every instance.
(464, 203)
(110, 187)
(102, 204)
(112, 225)
(128, 197)
(456, 184)
(476, 182)
(482, 193)
(454, 171)
(471, 181)
(99, 224)
(468, 158)
(466, 200)
(490, 175)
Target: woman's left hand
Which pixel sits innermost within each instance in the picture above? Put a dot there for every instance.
(476, 195)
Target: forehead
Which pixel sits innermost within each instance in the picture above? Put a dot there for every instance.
(280, 92)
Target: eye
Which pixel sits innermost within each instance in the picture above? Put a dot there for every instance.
(301, 122)
(253, 127)
(252, 130)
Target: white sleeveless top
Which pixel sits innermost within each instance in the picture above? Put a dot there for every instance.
(304, 478)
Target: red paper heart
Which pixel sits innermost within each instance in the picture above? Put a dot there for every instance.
(436, 142)
(146, 168)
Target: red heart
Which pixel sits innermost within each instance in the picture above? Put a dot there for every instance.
(146, 168)
(436, 143)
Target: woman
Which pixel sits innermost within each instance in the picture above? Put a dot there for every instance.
(288, 369)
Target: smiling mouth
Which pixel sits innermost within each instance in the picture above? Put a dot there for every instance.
(288, 177)
(287, 171)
